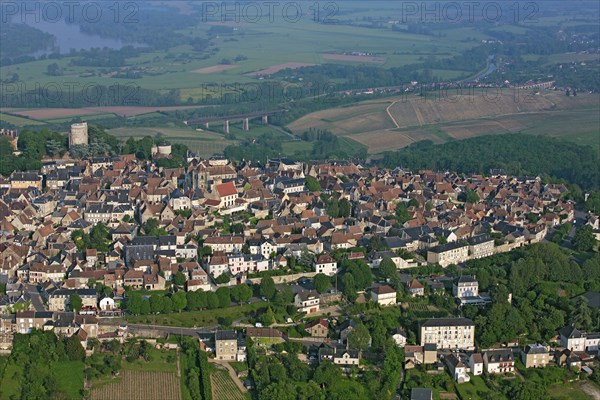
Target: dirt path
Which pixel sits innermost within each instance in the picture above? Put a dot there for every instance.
(591, 389)
(387, 110)
(232, 374)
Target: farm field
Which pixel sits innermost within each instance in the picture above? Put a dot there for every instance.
(224, 388)
(56, 113)
(440, 119)
(142, 385)
(18, 121)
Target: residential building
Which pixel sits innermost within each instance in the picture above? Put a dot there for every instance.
(226, 345)
(317, 328)
(59, 299)
(535, 356)
(458, 370)
(450, 253)
(480, 246)
(476, 364)
(465, 286)
(307, 301)
(325, 264)
(384, 295)
(448, 333)
(416, 288)
(499, 361)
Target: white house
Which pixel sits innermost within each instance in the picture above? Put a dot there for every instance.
(384, 295)
(307, 301)
(499, 361)
(476, 364)
(457, 369)
(400, 337)
(465, 286)
(107, 304)
(325, 265)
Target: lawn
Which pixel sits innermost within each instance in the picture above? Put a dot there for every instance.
(69, 378)
(160, 361)
(11, 377)
(199, 318)
(475, 389)
(568, 391)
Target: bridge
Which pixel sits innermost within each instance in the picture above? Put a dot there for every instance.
(245, 118)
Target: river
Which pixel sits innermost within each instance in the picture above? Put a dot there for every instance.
(69, 36)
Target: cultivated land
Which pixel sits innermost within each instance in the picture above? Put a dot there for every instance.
(140, 385)
(223, 387)
(347, 57)
(397, 122)
(54, 113)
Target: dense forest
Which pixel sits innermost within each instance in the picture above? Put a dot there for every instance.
(545, 283)
(516, 154)
(18, 40)
(60, 376)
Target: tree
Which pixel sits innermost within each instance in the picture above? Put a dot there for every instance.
(267, 287)
(53, 70)
(223, 278)
(212, 301)
(321, 282)
(401, 213)
(268, 318)
(470, 196)
(179, 300)
(75, 302)
(179, 278)
(387, 268)
(134, 303)
(584, 239)
(74, 350)
(312, 184)
(224, 297)
(157, 303)
(327, 373)
(359, 338)
(241, 293)
(582, 316)
(344, 207)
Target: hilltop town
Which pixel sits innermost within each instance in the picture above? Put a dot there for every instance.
(108, 249)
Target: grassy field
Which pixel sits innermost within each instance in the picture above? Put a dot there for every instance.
(199, 318)
(18, 121)
(69, 377)
(158, 362)
(11, 377)
(397, 122)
